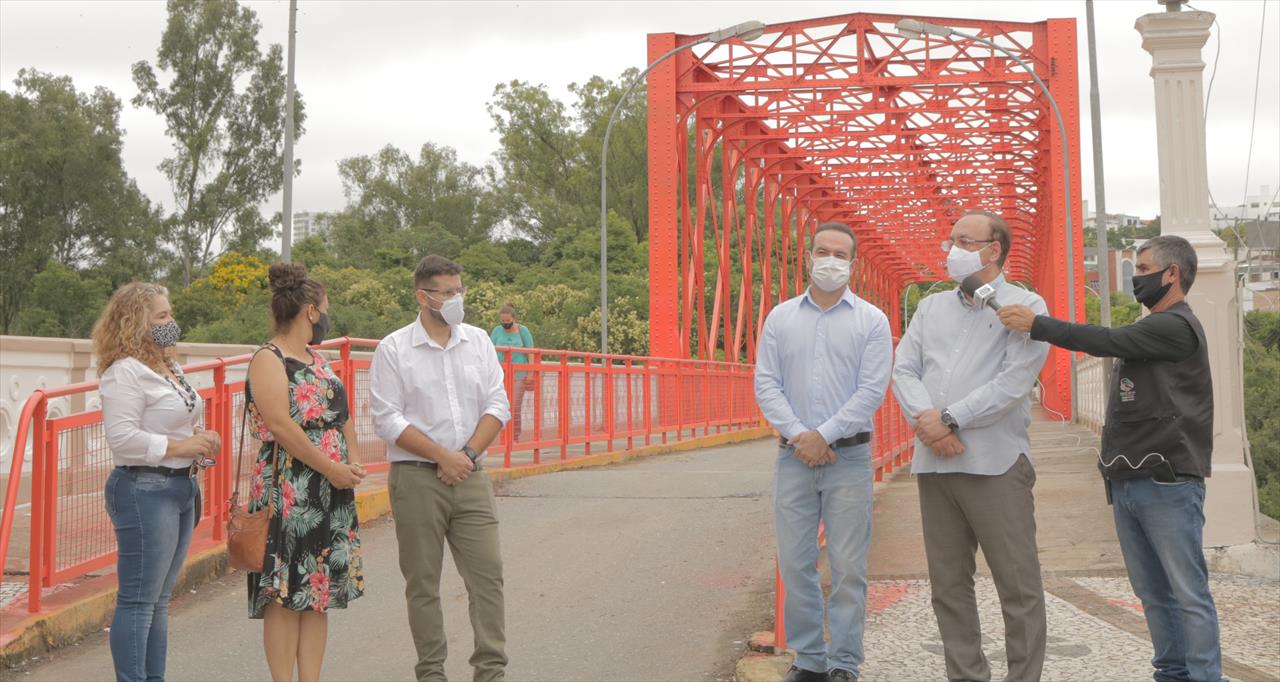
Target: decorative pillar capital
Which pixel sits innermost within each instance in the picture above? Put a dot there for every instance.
(1174, 39)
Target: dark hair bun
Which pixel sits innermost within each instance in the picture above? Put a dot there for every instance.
(286, 276)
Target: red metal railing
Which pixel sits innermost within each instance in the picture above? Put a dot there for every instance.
(581, 402)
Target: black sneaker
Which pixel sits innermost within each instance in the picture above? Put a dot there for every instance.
(841, 675)
(802, 675)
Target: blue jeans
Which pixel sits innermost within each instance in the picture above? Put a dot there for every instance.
(153, 517)
(839, 495)
(1160, 526)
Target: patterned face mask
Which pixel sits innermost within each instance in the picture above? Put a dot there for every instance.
(166, 335)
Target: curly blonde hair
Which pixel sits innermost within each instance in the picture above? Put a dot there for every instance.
(124, 328)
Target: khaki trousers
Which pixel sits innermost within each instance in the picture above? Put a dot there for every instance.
(961, 512)
(427, 514)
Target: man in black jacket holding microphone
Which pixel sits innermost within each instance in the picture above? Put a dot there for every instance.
(1156, 448)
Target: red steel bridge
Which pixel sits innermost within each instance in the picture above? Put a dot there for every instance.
(753, 144)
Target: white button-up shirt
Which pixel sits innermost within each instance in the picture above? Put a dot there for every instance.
(141, 411)
(823, 370)
(957, 355)
(441, 392)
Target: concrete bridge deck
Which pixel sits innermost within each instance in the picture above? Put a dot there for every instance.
(662, 568)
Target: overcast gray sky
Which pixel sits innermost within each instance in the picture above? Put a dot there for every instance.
(405, 73)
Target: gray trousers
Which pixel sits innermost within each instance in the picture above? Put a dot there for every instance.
(961, 512)
(428, 513)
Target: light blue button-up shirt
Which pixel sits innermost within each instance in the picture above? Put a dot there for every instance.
(958, 356)
(823, 371)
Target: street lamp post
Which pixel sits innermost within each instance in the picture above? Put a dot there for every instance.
(749, 30)
(286, 208)
(913, 28)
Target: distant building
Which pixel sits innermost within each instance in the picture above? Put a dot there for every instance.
(1115, 221)
(1120, 271)
(1264, 205)
(1259, 263)
(307, 224)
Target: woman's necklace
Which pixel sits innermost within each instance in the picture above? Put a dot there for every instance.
(187, 393)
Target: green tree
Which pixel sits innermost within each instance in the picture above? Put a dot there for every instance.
(488, 261)
(1124, 309)
(628, 179)
(542, 182)
(64, 303)
(400, 208)
(628, 331)
(229, 305)
(1262, 405)
(548, 162)
(64, 194)
(224, 108)
(1115, 240)
(363, 304)
(313, 252)
(1148, 230)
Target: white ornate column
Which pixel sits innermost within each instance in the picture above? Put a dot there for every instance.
(1174, 39)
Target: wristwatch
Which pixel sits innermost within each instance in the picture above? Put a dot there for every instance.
(950, 421)
(472, 455)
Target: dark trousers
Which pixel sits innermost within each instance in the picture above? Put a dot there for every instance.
(961, 512)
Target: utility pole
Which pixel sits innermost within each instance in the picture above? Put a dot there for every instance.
(1099, 189)
(1099, 184)
(286, 212)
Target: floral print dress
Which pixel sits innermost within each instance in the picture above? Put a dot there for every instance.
(313, 543)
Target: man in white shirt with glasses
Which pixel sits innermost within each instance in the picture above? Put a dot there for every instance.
(437, 398)
(964, 383)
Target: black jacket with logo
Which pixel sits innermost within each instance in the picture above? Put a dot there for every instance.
(1161, 390)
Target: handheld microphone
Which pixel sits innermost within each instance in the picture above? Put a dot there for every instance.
(981, 292)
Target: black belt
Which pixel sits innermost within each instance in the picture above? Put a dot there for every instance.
(416, 463)
(851, 441)
(188, 472)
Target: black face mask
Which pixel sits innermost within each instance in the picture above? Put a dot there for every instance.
(508, 325)
(320, 329)
(1147, 288)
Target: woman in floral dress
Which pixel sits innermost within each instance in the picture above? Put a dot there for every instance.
(297, 403)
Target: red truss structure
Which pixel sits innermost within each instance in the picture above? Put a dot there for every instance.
(753, 144)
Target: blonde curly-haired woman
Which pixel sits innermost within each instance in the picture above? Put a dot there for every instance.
(151, 416)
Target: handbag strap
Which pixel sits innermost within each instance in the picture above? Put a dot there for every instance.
(244, 417)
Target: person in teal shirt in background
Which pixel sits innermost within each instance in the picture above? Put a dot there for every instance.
(515, 335)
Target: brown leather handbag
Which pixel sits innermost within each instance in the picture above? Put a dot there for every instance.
(246, 530)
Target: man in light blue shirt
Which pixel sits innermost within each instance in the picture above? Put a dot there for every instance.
(821, 372)
(964, 383)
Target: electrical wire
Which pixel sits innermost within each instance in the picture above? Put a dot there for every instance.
(1253, 121)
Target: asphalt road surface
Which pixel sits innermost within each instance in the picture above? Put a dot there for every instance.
(651, 570)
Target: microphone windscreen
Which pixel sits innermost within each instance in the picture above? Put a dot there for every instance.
(971, 284)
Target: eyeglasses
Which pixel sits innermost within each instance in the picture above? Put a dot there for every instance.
(446, 294)
(964, 243)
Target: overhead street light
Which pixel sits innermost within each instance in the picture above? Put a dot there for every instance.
(748, 30)
(916, 29)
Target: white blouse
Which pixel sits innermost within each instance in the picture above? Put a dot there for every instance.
(141, 411)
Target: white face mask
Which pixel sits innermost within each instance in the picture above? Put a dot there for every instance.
(829, 273)
(451, 310)
(962, 263)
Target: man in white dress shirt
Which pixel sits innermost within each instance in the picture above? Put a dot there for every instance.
(437, 399)
(964, 383)
(821, 372)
